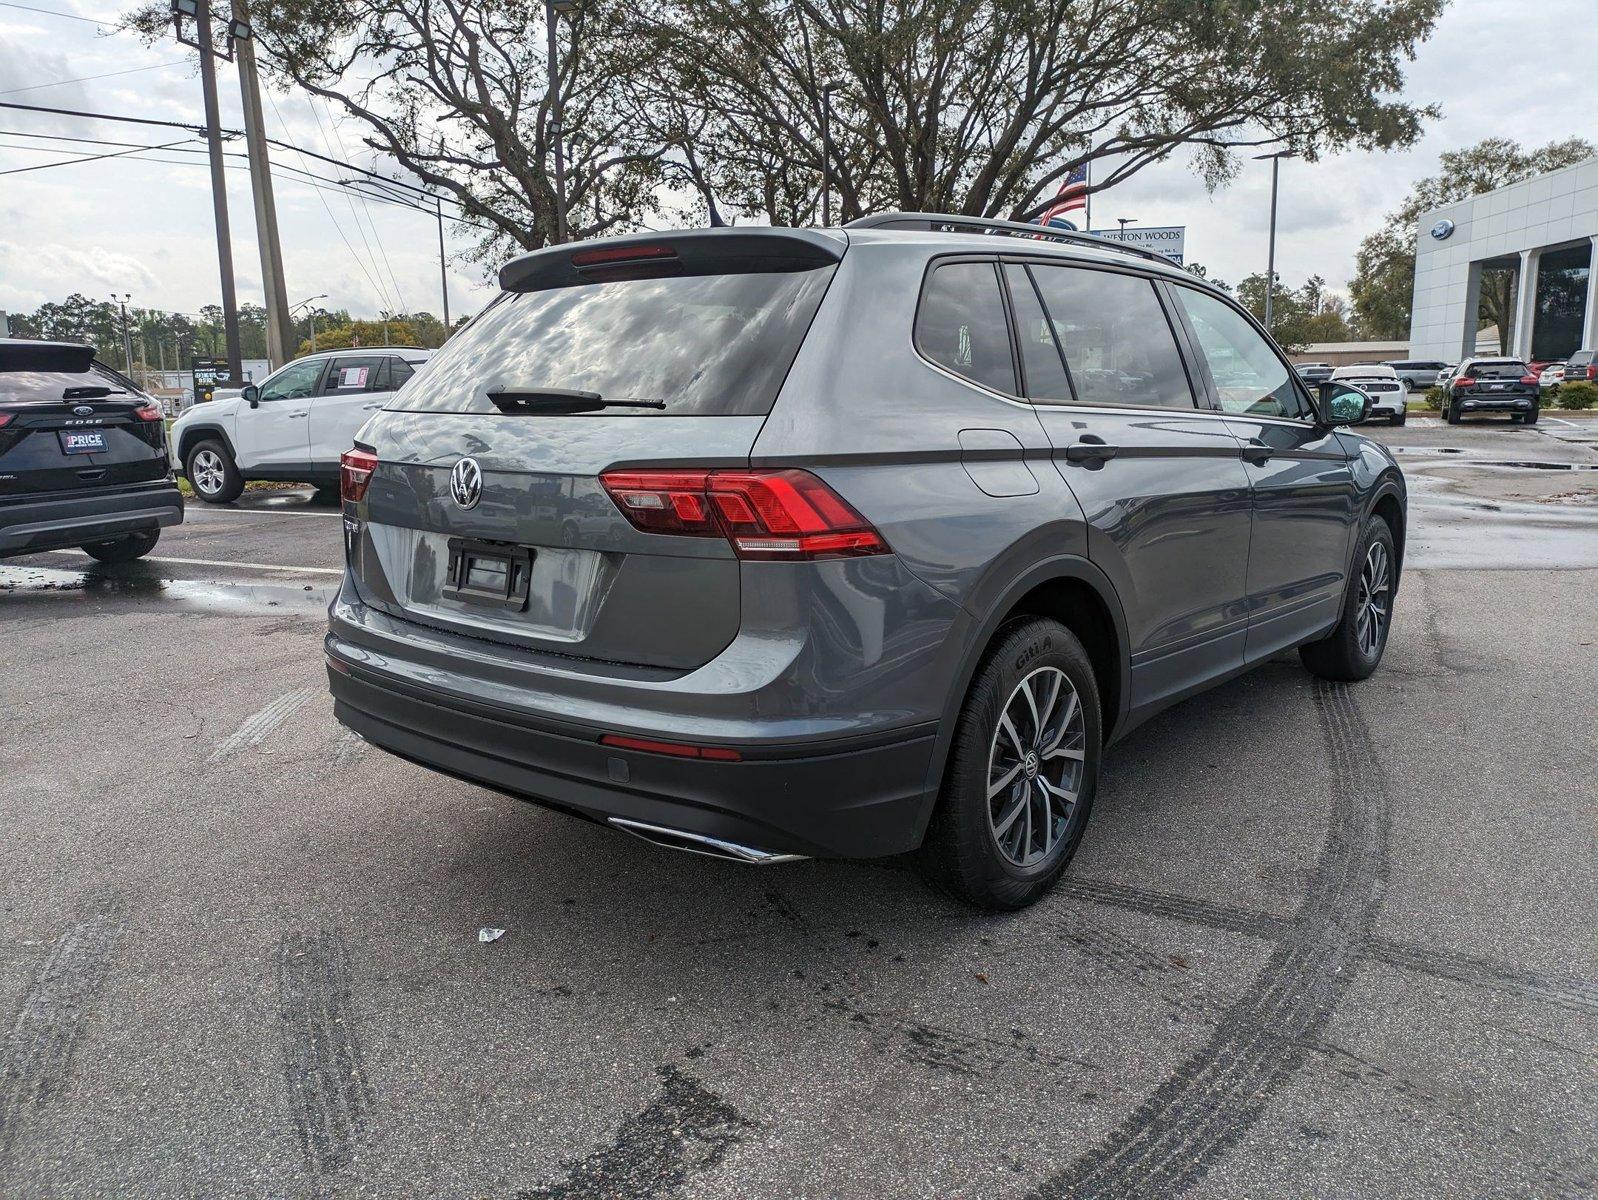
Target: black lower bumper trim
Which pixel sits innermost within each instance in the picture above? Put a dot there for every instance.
(859, 803)
(53, 524)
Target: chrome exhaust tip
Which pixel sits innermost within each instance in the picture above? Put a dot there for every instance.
(699, 843)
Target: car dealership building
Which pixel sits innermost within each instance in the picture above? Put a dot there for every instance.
(1546, 229)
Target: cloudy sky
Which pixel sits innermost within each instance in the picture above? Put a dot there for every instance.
(144, 227)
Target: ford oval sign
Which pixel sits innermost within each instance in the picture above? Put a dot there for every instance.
(1442, 229)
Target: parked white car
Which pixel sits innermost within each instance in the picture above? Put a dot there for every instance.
(293, 425)
(1552, 376)
(1388, 392)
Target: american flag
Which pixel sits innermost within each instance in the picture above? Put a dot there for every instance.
(1073, 194)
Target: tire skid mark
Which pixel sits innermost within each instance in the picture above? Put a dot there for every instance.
(684, 1131)
(323, 1068)
(1214, 1097)
(1580, 995)
(255, 728)
(36, 1058)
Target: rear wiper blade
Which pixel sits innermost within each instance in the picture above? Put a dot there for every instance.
(91, 393)
(560, 400)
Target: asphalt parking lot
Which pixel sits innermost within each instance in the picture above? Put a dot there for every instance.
(1319, 941)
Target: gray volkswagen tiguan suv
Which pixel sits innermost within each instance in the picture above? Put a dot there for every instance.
(776, 543)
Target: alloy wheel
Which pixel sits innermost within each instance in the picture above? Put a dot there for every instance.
(208, 471)
(1036, 764)
(1375, 593)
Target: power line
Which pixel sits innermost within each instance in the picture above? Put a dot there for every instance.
(56, 12)
(398, 294)
(88, 158)
(91, 78)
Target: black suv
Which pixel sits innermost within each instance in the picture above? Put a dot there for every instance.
(1481, 385)
(82, 456)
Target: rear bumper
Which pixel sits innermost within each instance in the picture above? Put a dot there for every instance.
(53, 524)
(1497, 403)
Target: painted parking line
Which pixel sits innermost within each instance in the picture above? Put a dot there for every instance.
(218, 562)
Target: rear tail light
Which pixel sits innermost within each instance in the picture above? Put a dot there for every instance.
(673, 749)
(786, 515)
(150, 412)
(1465, 381)
(1592, 371)
(5, 419)
(1528, 379)
(355, 469)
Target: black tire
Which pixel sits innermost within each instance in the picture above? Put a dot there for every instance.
(1529, 418)
(125, 548)
(1451, 413)
(1400, 418)
(962, 852)
(212, 473)
(1344, 655)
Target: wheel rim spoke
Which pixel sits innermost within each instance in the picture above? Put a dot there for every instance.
(1033, 773)
(999, 785)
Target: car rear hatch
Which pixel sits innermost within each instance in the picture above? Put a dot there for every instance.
(68, 423)
(485, 513)
(1499, 381)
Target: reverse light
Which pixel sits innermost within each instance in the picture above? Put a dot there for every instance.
(355, 469)
(672, 749)
(785, 515)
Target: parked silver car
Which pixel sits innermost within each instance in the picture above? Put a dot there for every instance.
(777, 542)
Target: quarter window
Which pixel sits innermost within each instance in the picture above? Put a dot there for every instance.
(962, 325)
(1117, 341)
(1250, 377)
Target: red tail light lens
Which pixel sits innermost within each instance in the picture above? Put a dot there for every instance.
(1528, 379)
(1592, 370)
(150, 412)
(1465, 381)
(355, 469)
(5, 419)
(785, 515)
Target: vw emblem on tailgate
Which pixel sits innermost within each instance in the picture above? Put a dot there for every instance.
(466, 483)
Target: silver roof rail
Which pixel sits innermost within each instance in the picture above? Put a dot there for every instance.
(947, 223)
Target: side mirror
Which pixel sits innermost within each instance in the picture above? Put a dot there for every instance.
(1341, 404)
(252, 395)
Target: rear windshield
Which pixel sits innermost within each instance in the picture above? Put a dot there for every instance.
(1499, 370)
(17, 386)
(708, 345)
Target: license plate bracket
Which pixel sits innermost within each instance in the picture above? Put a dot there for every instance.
(86, 441)
(493, 574)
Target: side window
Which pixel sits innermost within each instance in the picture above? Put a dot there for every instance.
(353, 373)
(1249, 375)
(294, 382)
(398, 372)
(1040, 353)
(962, 324)
(1117, 341)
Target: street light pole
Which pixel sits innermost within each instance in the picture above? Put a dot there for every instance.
(1123, 222)
(443, 274)
(127, 342)
(309, 305)
(1270, 255)
(826, 152)
(551, 7)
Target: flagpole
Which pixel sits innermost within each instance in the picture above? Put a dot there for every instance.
(1087, 201)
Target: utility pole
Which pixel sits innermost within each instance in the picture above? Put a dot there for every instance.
(443, 273)
(551, 7)
(200, 11)
(127, 342)
(279, 325)
(310, 307)
(1270, 254)
(826, 142)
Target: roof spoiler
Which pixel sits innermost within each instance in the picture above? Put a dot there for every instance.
(678, 252)
(20, 355)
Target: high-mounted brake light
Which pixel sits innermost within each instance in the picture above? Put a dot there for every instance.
(787, 515)
(355, 469)
(616, 254)
(673, 749)
(150, 412)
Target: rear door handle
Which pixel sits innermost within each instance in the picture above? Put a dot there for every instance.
(1089, 451)
(1255, 451)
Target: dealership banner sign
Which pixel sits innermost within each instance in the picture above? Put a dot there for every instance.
(1169, 240)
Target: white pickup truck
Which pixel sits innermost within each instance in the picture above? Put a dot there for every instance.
(293, 425)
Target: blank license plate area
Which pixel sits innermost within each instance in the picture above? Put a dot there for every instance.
(488, 573)
(87, 442)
